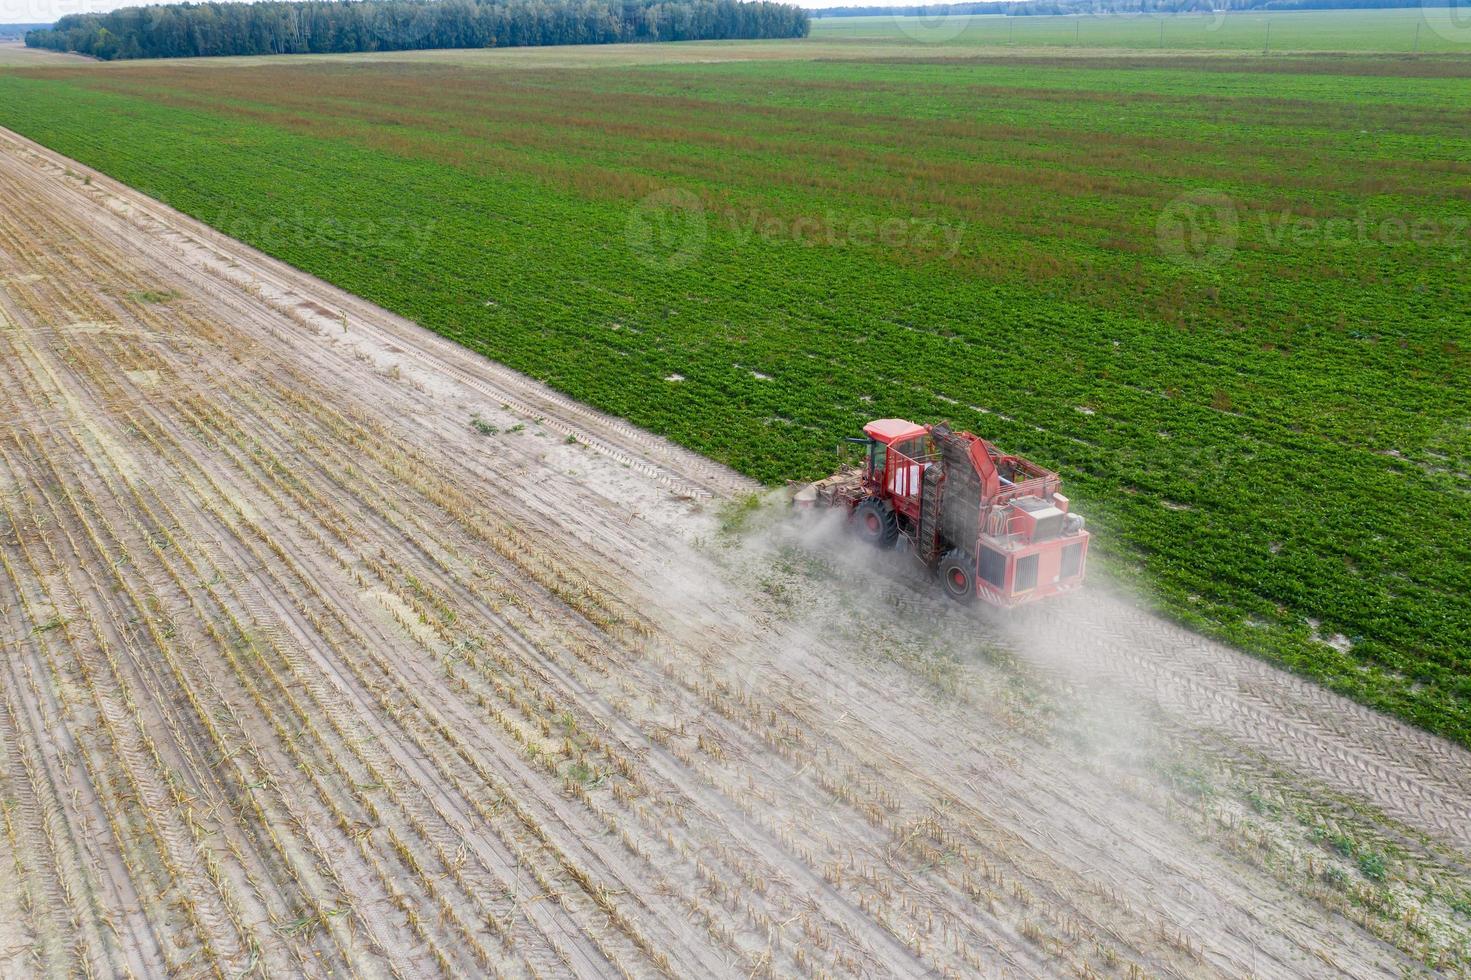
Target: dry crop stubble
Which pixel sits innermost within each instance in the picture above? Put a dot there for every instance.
(1057, 172)
(423, 699)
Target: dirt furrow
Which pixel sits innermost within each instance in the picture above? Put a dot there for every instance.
(307, 673)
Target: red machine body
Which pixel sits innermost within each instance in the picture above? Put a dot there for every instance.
(990, 525)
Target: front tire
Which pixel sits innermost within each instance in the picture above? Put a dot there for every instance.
(957, 571)
(875, 523)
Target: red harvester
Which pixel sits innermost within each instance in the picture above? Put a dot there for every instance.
(987, 523)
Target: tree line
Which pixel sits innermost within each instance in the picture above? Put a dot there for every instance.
(1022, 8)
(188, 30)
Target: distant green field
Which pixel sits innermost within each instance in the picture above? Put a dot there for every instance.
(1392, 31)
(1226, 295)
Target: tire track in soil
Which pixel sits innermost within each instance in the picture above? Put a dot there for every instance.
(862, 926)
(745, 832)
(1410, 776)
(1372, 749)
(289, 539)
(1416, 778)
(587, 965)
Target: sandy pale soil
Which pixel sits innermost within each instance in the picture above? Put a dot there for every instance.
(14, 54)
(305, 673)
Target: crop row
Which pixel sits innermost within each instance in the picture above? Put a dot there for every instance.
(1275, 448)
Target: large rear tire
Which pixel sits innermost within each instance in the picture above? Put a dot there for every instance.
(957, 572)
(875, 523)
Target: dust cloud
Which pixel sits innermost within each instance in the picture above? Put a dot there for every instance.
(836, 596)
(958, 710)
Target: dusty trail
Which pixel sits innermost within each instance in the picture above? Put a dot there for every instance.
(1417, 778)
(303, 674)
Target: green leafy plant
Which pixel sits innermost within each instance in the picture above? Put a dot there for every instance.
(1275, 446)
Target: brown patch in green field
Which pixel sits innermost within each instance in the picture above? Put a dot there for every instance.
(1277, 394)
(1019, 165)
(1335, 63)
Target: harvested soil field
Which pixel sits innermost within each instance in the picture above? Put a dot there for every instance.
(334, 649)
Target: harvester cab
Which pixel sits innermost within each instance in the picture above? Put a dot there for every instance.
(987, 523)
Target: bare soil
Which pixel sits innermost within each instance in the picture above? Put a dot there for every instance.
(14, 54)
(305, 673)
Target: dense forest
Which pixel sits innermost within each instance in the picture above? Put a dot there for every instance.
(1021, 8)
(319, 26)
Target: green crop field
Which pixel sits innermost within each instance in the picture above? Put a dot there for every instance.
(1407, 30)
(1226, 295)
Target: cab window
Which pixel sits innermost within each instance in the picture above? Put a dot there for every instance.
(918, 448)
(878, 456)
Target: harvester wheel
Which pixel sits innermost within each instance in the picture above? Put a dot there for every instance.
(957, 571)
(874, 522)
